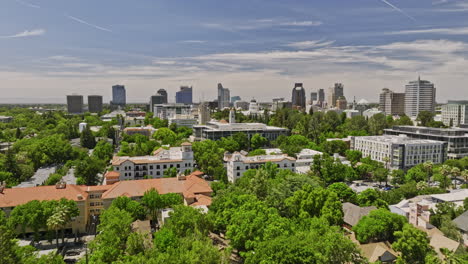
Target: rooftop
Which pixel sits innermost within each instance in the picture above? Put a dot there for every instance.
(454, 196)
(160, 155)
(221, 126)
(401, 139)
(354, 213)
(462, 221)
(236, 156)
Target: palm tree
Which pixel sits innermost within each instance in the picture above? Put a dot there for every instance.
(58, 220)
(455, 173)
(428, 165)
(445, 171)
(464, 174)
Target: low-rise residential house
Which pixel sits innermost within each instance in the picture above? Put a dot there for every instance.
(353, 213)
(418, 209)
(238, 163)
(134, 121)
(91, 200)
(380, 252)
(462, 223)
(154, 166)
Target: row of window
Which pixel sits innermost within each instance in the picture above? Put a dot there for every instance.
(96, 204)
(164, 166)
(258, 166)
(95, 196)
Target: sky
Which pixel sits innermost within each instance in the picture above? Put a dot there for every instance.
(257, 48)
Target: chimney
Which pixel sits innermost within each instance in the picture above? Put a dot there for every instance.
(181, 177)
(60, 185)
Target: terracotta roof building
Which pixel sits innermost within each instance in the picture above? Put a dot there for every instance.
(91, 200)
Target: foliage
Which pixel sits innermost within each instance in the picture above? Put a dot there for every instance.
(209, 158)
(87, 170)
(136, 210)
(322, 244)
(166, 136)
(257, 141)
(379, 225)
(87, 139)
(413, 245)
(257, 152)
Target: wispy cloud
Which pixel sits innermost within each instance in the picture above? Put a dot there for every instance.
(398, 9)
(263, 24)
(27, 4)
(26, 33)
(302, 23)
(441, 31)
(194, 41)
(309, 44)
(87, 23)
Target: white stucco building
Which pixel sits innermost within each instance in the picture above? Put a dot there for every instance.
(237, 163)
(154, 166)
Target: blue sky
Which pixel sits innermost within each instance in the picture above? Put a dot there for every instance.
(257, 48)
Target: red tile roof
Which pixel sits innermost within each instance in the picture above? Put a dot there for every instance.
(189, 187)
(17, 196)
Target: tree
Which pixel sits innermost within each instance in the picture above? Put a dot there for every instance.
(209, 158)
(311, 246)
(257, 141)
(166, 136)
(344, 192)
(449, 228)
(416, 174)
(371, 197)
(398, 177)
(425, 118)
(428, 165)
(7, 242)
(242, 139)
(87, 170)
(186, 220)
(103, 150)
(380, 175)
(455, 173)
(170, 173)
(377, 123)
(229, 144)
(153, 203)
(114, 229)
(87, 139)
(58, 220)
(253, 223)
(133, 207)
(379, 225)
(413, 244)
(354, 156)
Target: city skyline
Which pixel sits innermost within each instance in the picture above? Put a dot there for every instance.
(51, 49)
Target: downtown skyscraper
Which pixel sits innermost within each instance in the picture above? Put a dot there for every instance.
(419, 96)
(298, 96)
(224, 97)
(119, 96)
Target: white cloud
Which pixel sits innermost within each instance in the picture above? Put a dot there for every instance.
(262, 23)
(27, 33)
(442, 31)
(309, 44)
(194, 41)
(27, 4)
(302, 23)
(363, 69)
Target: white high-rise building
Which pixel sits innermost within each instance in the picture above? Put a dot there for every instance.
(224, 97)
(419, 96)
(455, 113)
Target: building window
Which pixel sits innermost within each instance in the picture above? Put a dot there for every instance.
(158, 173)
(238, 168)
(158, 167)
(178, 165)
(285, 165)
(151, 167)
(91, 204)
(171, 166)
(164, 166)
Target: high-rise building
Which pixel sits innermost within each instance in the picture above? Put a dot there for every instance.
(235, 99)
(334, 93)
(321, 95)
(95, 103)
(119, 96)
(419, 96)
(156, 99)
(298, 96)
(392, 103)
(341, 103)
(75, 104)
(184, 96)
(203, 113)
(164, 95)
(455, 113)
(224, 97)
(313, 96)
